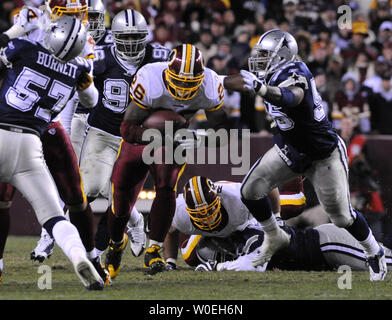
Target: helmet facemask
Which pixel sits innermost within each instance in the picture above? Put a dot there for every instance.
(206, 217)
(76, 9)
(264, 62)
(130, 46)
(182, 87)
(96, 24)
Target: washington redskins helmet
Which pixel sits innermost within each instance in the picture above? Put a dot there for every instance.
(203, 203)
(185, 72)
(130, 32)
(77, 8)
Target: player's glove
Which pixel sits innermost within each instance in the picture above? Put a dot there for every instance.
(191, 140)
(4, 40)
(84, 82)
(254, 84)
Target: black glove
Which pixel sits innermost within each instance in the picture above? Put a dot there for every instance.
(4, 40)
(84, 82)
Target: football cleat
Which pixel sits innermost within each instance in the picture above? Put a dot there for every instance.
(104, 274)
(113, 257)
(153, 262)
(273, 241)
(137, 236)
(87, 273)
(207, 266)
(44, 248)
(377, 266)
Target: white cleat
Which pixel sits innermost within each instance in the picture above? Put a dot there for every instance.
(87, 273)
(377, 266)
(44, 248)
(273, 241)
(137, 236)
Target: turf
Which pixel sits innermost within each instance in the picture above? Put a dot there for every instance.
(21, 282)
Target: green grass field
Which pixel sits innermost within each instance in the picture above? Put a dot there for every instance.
(21, 279)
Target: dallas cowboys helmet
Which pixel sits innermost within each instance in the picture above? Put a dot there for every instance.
(65, 38)
(96, 18)
(130, 32)
(275, 49)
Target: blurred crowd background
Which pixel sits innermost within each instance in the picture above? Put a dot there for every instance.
(352, 65)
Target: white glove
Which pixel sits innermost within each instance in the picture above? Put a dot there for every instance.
(252, 83)
(242, 263)
(188, 143)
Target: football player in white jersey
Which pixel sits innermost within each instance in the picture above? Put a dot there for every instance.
(182, 85)
(58, 151)
(53, 70)
(113, 75)
(225, 236)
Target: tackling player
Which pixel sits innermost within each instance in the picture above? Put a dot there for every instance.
(114, 72)
(305, 145)
(40, 79)
(225, 236)
(58, 151)
(213, 213)
(183, 85)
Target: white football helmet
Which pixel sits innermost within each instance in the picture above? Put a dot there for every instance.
(96, 18)
(65, 38)
(275, 49)
(130, 31)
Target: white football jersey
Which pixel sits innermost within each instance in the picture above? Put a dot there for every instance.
(149, 91)
(35, 20)
(238, 218)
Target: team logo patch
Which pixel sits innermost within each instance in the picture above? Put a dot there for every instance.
(52, 131)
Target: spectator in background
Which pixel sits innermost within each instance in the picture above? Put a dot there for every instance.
(218, 29)
(326, 20)
(205, 44)
(380, 12)
(229, 21)
(341, 38)
(334, 73)
(357, 44)
(162, 36)
(5, 15)
(381, 106)
(384, 36)
(290, 16)
(349, 100)
(373, 84)
(362, 67)
(318, 59)
(387, 53)
(241, 47)
(304, 41)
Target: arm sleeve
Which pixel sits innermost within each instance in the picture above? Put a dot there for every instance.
(89, 96)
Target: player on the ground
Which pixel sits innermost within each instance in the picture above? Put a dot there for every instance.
(40, 79)
(184, 86)
(228, 239)
(305, 145)
(113, 75)
(58, 151)
(213, 213)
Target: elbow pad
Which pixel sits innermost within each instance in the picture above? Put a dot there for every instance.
(131, 132)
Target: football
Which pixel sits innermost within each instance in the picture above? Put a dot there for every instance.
(157, 120)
